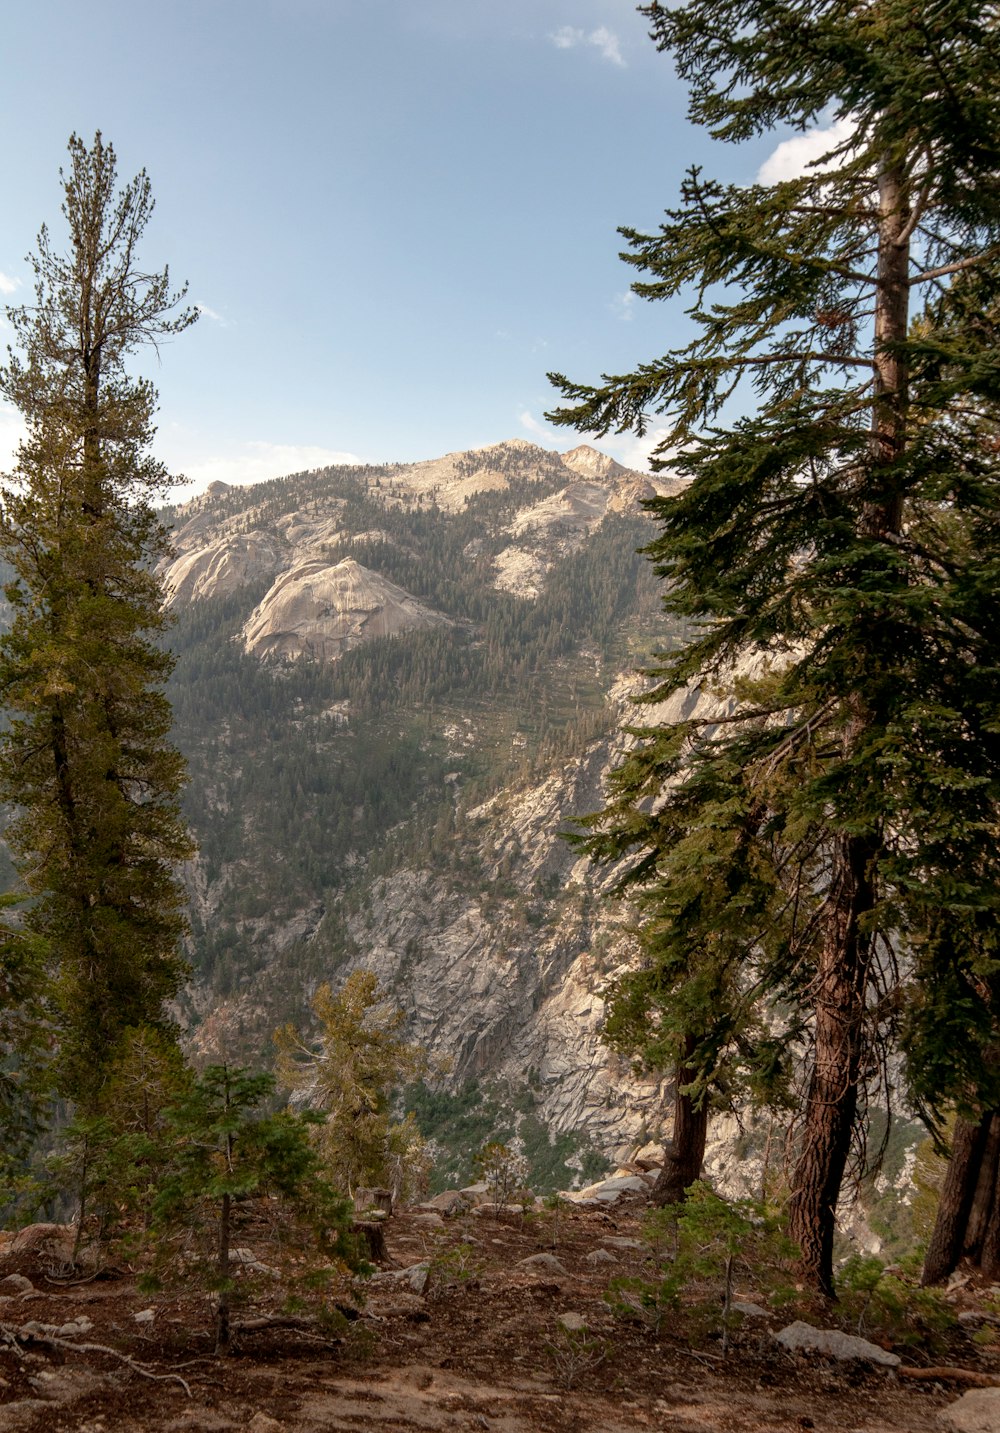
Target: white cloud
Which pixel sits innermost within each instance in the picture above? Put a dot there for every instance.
(255, 463)
(795, 157)
(568, 37)
(630, 451)
(623, 306)
(207, 312)
(7, 284)
(537, 430)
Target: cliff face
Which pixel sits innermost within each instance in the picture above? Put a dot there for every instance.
(396, 688)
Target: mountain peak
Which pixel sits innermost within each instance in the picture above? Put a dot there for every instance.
(590, 463)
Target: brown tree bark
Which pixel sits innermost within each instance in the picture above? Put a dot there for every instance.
(831, 1104)
(968, 1218)
(845, 959)
(685, 1152)
(948, 1237)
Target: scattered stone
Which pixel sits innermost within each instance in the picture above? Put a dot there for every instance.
(495, 1210)
(75, 1327)
(543, 1261)
(145, 1316)
(618, 1241)
(977, 1411)
(414, 1277)
(263, 1423)
(802, 1337)
(428, 1221)
(748, 1310)
(17, 1284)
(572, 1322)
(248, 1260)
(600, 1256)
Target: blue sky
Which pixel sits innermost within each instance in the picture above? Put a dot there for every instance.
(397, 215)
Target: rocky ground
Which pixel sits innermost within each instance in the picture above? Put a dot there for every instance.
(479, 1320)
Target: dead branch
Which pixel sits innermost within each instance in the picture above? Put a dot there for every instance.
(15, 1336)
(950, 1375)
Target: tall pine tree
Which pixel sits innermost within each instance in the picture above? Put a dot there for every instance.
(840, 548)
(86, 760)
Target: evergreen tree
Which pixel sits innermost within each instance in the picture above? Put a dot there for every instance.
(85, 760)
(840, 548)
(350, 1073)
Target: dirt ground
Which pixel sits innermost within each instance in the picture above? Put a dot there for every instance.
(484, 1346)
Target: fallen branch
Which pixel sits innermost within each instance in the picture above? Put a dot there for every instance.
(15, 1336)
(950, 1375)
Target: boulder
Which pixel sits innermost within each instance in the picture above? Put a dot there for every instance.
(430, 1220)
(448, 1203)
(547, 1262)
(16, 1284)
(572, 1322)
(414, 1278)
(600, 1256)
(977, 1411)
(801, 1337)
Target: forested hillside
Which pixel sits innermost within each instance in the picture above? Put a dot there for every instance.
(401, 806)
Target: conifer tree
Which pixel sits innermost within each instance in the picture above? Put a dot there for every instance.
(839, 545)
(86, 761)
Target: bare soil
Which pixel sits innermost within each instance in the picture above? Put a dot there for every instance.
(481, 1348)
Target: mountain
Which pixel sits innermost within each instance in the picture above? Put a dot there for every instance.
(396, 686)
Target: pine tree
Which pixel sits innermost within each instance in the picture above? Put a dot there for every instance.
(86, 761)
(839, 544)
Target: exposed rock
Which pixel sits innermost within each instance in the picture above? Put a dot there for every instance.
(600, 1256)
(572, 1322)
(263, 1423)
(649, 1156)
(16, 1284)
(448, 1203)
(609, 1191)
(223, 566)
(977, 1411)
(802, 1337)
(748, 1310)
(414, 1277)
(145, 1316)
(548, 1262)
(430, 1220)
(321, 611)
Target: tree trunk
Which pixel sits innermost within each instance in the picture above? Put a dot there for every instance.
(686, 1151)
(222, 1320)
(845, 959)
(968, 1217)
(948, 1237)
(832, 1100)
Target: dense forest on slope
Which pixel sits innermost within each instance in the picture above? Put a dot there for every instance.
(309, 779)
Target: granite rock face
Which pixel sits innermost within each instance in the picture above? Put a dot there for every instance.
(318, 611)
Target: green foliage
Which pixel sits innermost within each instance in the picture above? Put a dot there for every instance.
(110, 1163)
(235, 1170)
(573, 1354)
(702, 1247)
(887, 1301)
(458, 1264)
(505, 1173)
(85, 759)
(837, 547)
(350, 1072)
